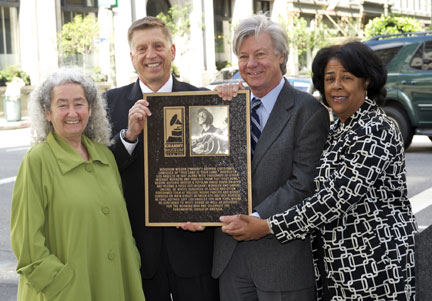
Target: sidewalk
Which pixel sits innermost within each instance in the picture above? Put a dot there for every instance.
(11, 125)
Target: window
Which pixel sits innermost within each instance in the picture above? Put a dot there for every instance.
(71, 8)
(422, 59)
(263, 6)
(427, 56)
(9, 38)
(154, 7)
(222, 27)
(387, 54)
(88, 3)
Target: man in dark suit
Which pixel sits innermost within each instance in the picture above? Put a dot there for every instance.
(289, 129)
(175, 263)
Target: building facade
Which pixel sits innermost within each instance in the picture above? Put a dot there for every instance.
(29, 29)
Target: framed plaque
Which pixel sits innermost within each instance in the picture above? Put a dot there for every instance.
(196, 158)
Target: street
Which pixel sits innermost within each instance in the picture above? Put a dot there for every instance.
(15, 143)
(13, 146)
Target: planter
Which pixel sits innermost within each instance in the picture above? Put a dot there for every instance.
(12, 108)
(25, 92)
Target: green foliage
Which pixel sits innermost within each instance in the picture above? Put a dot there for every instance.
(175, 70)
(97, 75)
(222, 64)
(306, 38)
(10, 72)
(78, 36)
(298, 34)
(177, 20)
(391, 24)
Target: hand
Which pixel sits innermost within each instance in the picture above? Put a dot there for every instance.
(137, 114)
(193, 227)
(244, 227)
(228, 91)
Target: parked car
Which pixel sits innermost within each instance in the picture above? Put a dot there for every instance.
(228, 75)
(301, 83)
(232, 75)
(408, 58)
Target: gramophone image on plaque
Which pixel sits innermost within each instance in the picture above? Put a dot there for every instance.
(196, 158)
(174, 131)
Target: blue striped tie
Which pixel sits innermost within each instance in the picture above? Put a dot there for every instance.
(255, 123)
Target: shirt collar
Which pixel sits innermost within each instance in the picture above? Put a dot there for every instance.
(67, 157)
(269, 100)
(167, 87)
(367, 106)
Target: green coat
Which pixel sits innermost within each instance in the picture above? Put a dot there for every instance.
(69, 226)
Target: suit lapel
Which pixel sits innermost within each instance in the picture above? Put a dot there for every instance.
(277, 121)
(135, 92)
(177, 86)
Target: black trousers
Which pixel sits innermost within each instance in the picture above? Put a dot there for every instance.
(167, 286)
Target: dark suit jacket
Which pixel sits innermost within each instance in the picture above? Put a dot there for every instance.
(283, 168)
(190, 253)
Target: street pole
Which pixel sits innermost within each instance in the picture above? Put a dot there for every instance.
(112, 50)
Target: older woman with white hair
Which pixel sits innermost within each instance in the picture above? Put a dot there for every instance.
(70, 230)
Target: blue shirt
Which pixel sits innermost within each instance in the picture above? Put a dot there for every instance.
(268, 102)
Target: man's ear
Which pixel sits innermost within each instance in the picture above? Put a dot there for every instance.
(173, 52)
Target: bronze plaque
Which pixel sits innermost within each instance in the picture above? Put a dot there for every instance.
(196, 158)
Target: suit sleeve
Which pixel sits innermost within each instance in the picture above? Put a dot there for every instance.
(42, 270)
(311, 133)
(121, 155)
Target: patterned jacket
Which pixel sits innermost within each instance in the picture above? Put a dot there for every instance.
(360, 217)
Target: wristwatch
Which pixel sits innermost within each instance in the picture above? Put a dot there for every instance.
(123, 136)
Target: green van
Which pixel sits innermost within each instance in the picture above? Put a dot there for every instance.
(408, 58)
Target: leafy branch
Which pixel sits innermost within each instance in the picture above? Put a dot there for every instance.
(78, 36)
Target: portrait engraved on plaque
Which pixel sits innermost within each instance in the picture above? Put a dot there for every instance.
(209, 130)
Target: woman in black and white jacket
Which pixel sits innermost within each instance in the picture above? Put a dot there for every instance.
(359, 218)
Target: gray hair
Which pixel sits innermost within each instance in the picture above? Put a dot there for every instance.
(260, 23)
(98, 128)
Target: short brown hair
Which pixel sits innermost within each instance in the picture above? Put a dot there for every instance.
(149, 22)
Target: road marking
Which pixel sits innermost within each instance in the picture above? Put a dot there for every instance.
(7, 180)
(421, 201)
(18, 149)
(8, 272)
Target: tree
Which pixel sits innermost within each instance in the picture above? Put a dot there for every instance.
(78, 37)
(178, 22)
(391, 24)
(304, 40)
